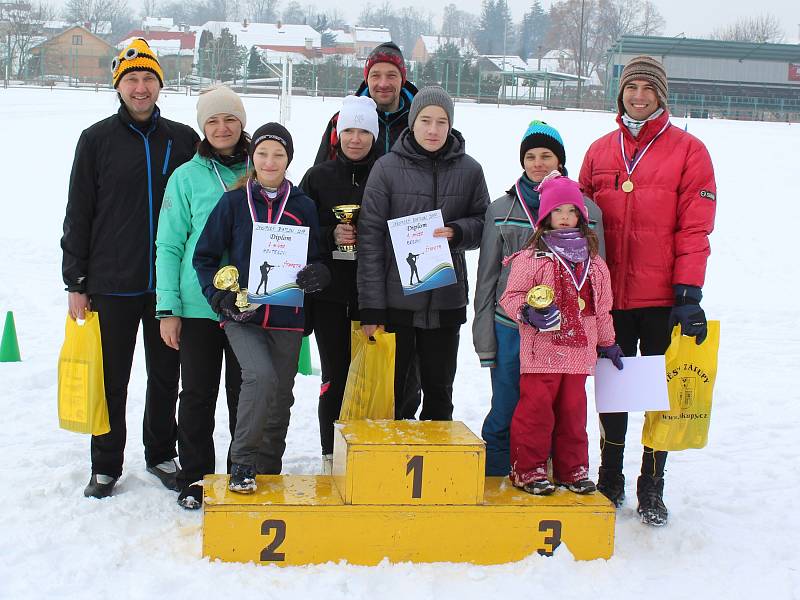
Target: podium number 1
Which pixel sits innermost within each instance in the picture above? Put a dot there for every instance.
(415, 464)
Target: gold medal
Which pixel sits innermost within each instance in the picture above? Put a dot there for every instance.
(540, 296)
(581, 303)
(627, 186)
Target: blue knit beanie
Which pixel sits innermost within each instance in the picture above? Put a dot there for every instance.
(542, 135)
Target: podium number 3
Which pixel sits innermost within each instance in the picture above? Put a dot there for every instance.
(553, 540)
(415, 465)
(268, 553)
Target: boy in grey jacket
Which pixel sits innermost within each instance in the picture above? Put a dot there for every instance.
(427, 169)
(508, 226)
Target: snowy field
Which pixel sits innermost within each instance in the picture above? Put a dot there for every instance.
(733, 530)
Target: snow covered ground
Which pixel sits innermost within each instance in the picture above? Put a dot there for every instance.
(733, 529)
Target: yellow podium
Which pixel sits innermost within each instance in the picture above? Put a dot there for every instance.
(406, 491)
(408, 462)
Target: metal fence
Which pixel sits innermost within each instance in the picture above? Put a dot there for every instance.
(332, 78)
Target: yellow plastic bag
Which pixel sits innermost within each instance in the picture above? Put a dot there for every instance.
(691, 371)
(82, 404)
(369, 391)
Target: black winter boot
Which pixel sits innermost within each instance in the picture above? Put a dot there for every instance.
(191, 497)
(611, 483)
(243, 479)
(100, 486)
(650, 491)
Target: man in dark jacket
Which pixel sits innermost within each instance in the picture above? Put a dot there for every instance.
(655, 185)
(427, 169)
(329, 184)
(121, 168)
(385, 82)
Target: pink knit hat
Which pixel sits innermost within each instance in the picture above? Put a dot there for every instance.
(555, 190)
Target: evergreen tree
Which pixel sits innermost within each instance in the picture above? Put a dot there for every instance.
(533, 31)
(494, 24)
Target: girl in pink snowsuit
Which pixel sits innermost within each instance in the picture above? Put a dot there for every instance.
(550, 419)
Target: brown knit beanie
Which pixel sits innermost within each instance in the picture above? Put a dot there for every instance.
(648, 69)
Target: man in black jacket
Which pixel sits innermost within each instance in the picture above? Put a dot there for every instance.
(119, 173)
(385, 82)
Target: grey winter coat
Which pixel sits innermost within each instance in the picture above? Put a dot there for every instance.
(506, 230)
(406, 182)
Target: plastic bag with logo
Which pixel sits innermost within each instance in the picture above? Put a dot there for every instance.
(691, 371)
(82, 404)
(369, 391)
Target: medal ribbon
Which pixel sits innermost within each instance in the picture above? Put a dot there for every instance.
(631, 165)
(524, 206)
(571, 271)
(221, 182)
(280, 208)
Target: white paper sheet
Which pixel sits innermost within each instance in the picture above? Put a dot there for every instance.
(417, 252)
(641, 385)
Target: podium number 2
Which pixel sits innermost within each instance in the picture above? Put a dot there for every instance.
(415, 464)
(268, 553)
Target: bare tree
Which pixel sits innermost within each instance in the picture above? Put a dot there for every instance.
(404, 25)
(263, 11)
(458, 23)
(23, 25)
(94, 13)
(150, 8)
(566, 27)
(651, 22)
(760, 29)
(604, 22)
(293, 14)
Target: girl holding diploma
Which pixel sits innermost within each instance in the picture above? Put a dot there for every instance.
(266, 340)
(559, 343)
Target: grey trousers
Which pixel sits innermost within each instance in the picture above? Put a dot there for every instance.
(268, 359)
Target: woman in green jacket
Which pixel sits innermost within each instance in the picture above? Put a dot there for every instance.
(187, 322)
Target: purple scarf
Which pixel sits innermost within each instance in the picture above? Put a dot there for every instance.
(569, 244)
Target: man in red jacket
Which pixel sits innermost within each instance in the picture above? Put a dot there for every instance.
(655, 185)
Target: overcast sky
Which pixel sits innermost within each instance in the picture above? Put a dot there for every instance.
(692, 17)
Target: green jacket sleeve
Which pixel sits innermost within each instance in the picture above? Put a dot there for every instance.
(174, 227)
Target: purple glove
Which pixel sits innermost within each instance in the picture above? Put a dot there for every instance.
(613, 353)
(541, 318)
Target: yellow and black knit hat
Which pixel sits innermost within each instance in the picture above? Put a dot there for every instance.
(138, 56)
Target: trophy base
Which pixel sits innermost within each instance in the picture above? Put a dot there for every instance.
(339, 255)
(553, 328)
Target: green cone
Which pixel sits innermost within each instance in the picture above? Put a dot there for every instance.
(304, 362)
(9, 348)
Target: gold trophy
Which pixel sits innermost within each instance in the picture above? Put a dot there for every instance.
(542, 296)
(227, 278)
(346, 214)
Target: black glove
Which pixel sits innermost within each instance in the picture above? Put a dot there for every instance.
(314, 277)
(688, 313)
(224, 302)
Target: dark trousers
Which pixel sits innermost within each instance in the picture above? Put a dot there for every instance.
(119, 324)
(550, 420)
(202, 347)
(437, 352)
(646, 330)
(332, 331)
